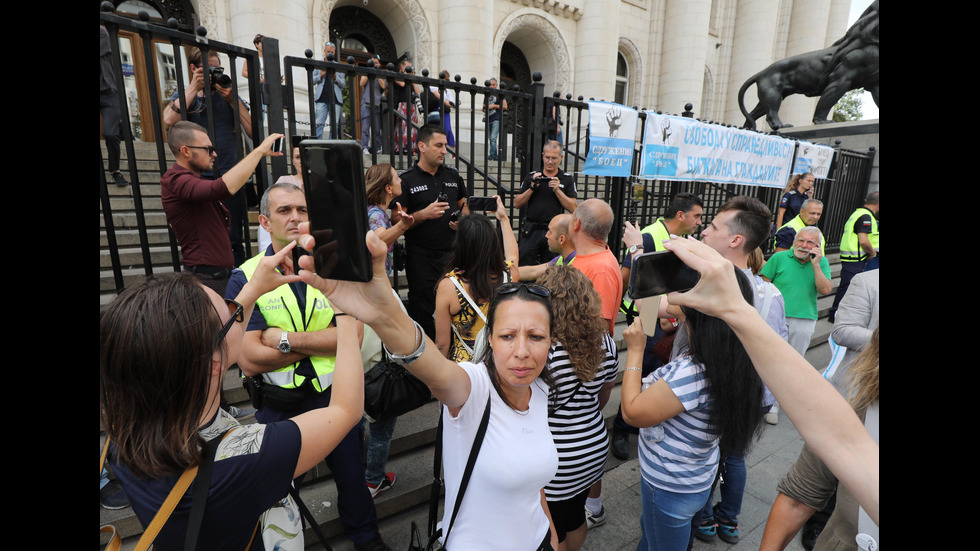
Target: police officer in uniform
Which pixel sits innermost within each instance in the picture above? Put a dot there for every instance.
(809, 215)
(858, 245)
(546, 194)
(435, 195)
(288, 352)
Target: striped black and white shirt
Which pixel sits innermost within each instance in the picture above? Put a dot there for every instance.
(576, 422)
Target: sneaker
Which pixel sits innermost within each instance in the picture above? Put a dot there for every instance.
(117, 177)
(595, 520)
(373, 544)
(621, 444)
(727, 531)
(707, 530)
(365, 151)
(772, 417)
(387, 482)
(112, 496)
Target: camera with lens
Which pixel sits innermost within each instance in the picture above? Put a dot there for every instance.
(218, 77)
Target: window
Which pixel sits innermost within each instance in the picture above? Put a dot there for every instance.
(622, 80)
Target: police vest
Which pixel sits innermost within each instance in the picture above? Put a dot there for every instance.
(850, 250)
(798, 224)
(280, 308)
(561, 260)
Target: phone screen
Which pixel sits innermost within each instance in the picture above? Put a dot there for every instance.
(659, 273)
(337, 205)
(482, 204)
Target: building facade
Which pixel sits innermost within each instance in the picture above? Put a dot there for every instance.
(655, 54)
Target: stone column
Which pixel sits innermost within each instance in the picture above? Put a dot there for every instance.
(464, 38)
(685, 49)
(596, 44)
(752, 45)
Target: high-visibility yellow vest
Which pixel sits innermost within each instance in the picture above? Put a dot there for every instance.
(798, 224)
(280, 308)
(850, 250)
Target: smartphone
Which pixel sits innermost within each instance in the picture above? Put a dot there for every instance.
(337, 205)
(442, 197)
(279, 145)
(482, 204)
(659, 273)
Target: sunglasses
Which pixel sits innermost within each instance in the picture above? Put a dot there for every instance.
(237, 316)
(533, 288)
(209, 148)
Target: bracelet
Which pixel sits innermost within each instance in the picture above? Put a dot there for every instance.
(405, 359)
(633, 369)
(338, 314)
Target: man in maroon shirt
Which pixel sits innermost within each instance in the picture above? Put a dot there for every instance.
(193, 205)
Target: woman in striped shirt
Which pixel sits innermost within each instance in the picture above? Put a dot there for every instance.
(691, 411)
(583, 364)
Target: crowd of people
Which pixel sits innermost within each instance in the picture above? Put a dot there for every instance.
(514, 339)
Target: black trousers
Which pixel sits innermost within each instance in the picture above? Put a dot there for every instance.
(424, 268)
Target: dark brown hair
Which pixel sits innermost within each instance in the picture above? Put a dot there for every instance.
(156, 344)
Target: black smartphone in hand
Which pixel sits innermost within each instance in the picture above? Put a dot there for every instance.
(336, 200)
(659, 273)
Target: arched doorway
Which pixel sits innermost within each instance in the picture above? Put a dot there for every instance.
(514, 69)
(360, 33)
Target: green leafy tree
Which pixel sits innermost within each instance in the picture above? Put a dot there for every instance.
(849, 107)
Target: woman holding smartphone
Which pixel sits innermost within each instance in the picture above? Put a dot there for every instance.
(517, 455)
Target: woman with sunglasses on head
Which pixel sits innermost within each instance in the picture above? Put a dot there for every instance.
(165, 347)
(503, 506)
(688, 411)
(584, 364)
(476, 266)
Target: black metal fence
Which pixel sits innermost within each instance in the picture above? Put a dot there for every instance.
(521, 138)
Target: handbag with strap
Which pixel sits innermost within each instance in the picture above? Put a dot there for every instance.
(390, 390)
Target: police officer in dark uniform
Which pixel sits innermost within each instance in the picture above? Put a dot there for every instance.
(546, 194)
(435, 195)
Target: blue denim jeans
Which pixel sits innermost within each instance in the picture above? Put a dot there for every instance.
(732, 488)
(322, 122)
(666, 520)
(379, 442)
(494, 134)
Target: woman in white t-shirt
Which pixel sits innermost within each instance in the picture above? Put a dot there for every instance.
(691, 411)
(503, 505)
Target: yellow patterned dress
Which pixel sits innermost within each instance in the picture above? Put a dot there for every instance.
(467, 322)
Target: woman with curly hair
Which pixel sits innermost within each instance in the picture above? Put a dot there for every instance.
(584, 364)
(477, 264)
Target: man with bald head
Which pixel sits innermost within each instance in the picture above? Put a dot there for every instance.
(558, 243)
(800, 274)
(588, 231)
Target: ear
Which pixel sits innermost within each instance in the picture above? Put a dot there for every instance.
(737, 241)
(265, 223)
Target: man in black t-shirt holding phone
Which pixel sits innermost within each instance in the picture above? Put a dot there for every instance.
(432, 192)
(546, 194)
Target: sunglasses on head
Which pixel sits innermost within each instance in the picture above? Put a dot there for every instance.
(533, 288)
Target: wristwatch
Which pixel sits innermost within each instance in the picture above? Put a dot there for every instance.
(634, 248)
(284, 346)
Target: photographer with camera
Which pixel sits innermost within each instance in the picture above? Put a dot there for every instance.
(546, 194)
(225, 129)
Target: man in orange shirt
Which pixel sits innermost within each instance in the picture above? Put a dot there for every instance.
(588, 231)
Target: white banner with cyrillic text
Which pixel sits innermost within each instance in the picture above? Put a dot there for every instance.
(679, 148)
(814, 159)
(612, 138)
